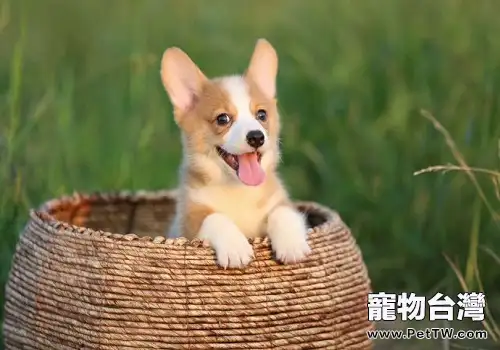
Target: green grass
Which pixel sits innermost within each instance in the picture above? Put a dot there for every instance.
(82, 108)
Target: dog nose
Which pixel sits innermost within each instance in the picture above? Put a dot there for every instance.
(255, 138)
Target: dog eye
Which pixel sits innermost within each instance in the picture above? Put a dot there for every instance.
(262, 115)
(223, 119)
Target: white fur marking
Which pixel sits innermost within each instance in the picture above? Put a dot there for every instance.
(235, 139)
(268, 159)
(288, 232)
(231, 246)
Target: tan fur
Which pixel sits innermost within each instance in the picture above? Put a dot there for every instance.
(207, 185)
(270, 105)
(195, 213)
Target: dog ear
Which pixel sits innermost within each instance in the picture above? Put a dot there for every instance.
(263, 68)
(181, 78)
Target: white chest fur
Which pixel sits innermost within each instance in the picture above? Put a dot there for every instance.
(247, 207)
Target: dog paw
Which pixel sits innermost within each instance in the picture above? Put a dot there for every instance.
(291, 250)
(232, 248)
(288, 233)
(234, 252)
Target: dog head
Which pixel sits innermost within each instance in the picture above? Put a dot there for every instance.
(230, 124)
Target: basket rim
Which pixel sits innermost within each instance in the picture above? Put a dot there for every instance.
(43, 217)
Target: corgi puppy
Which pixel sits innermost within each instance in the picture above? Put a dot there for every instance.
(229, 188)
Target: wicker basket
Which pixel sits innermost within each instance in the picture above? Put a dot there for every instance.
(81, 280)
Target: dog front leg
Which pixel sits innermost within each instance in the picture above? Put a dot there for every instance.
(231, 246)
(287, 230)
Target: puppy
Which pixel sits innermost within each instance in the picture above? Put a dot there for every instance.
(229, 188)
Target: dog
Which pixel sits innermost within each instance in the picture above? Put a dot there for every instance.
(229, 189)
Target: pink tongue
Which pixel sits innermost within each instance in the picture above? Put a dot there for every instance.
(249, 170)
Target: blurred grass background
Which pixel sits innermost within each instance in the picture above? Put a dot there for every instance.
(82, 108)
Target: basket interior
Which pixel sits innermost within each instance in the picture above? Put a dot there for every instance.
(143, 216)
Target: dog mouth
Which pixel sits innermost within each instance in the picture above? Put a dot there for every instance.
(233, 160)
(247, 166)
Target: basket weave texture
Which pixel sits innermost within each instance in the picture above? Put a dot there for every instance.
(80, 279)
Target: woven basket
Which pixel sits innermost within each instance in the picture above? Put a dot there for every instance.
(81, 280)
